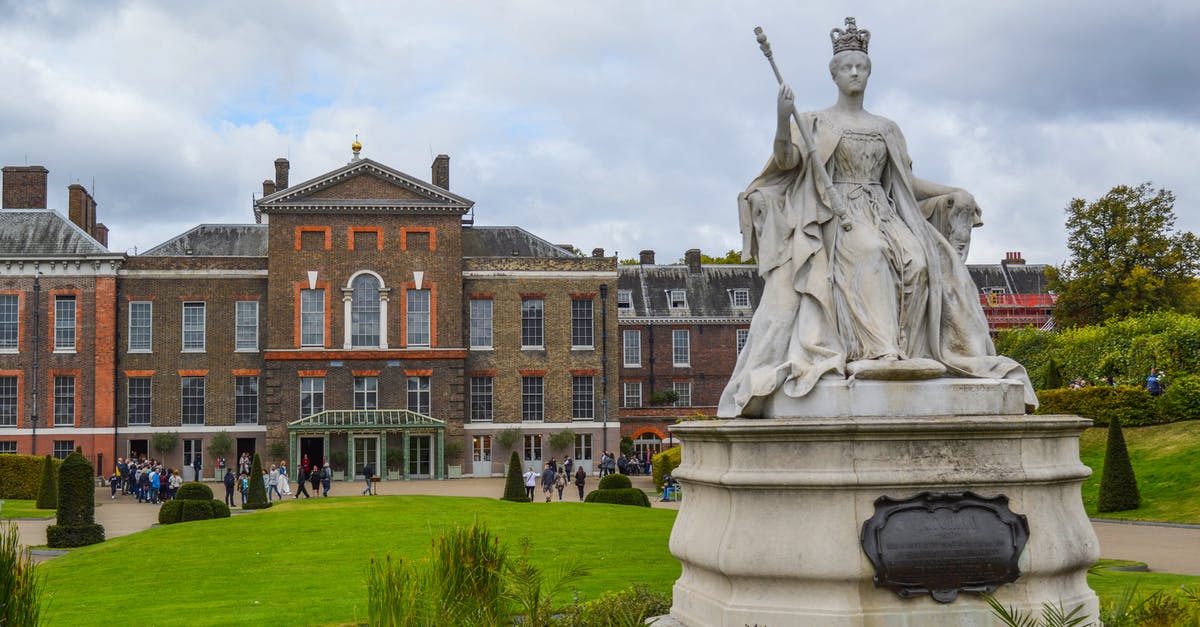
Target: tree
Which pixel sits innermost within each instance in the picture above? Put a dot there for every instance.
(48, 492)
(258, 492)
(220, 445)
(1125, 258)
(76, 515)
(1118, 485)
(1053, 378)
(164, 442)
(514, 481)
(731, 257)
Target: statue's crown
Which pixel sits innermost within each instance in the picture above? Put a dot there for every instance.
(851, 38)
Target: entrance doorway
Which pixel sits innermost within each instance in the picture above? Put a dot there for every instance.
(245, 445)
(481, 455)
(420, 452)
(366, 449)
(139, 449)
(191, 454)
(315, 449)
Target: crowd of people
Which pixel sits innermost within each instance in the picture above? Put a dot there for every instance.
(554, 478)
(146, 479)
(1155, 382)
(634, 464)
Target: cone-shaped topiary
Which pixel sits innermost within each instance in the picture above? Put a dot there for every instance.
(48, 491)
(514, 482)
(258, 492)
(1053, 378)
(1118, 486)
(76, 506)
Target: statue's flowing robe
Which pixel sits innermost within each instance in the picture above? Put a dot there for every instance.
(788, 226)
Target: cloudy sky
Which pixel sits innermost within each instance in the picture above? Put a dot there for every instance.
(617, 124)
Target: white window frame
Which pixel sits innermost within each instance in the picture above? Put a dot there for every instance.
(419, 332)
(63, 331)
(631, 390)
(583, 324)
(624, 302)
(65, 411)
(677, 299)
(583, 447)
(536, 323)
(310, 319)
(183, 404)
(148, 400)
(238, 418)
(314, 389)
(366, 311)
(739, 298)
(631, 351)
(63, 448)
(481, 311)
(190, 345)
(10, 323)
(741, 335)
(10, 401)
(8, 447)
(533, 402)
(481, 395)
(366, 393)
(481, 448)
(583, 397)
(146, 330)
(245, 322)
(420, 395)
(681, 348)
(684, 397)
(533, 444)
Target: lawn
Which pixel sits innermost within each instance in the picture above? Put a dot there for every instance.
(304, 562)
(1166, 461)
(23, 508)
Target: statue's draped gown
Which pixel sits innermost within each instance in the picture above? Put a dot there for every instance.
(891, 287)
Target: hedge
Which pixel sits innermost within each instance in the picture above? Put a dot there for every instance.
(169, 512)
(194, 501)
(615, 481)
(619, 496)
(22, 475)
(1132, 405)
(665, 463)
(195, 510)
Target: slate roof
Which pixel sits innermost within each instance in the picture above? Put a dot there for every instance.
(1010, 278)
(216, 240)
(508, 241)
(708, 292)
(43, 233)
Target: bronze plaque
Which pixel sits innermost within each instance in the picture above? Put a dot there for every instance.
(944, 543)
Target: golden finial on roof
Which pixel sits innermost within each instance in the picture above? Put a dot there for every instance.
(356, 147)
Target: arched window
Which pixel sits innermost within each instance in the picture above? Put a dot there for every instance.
(649, 442)
(364, 312)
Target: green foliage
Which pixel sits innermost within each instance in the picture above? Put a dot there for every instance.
(76, 515)
(278, 450)
(453, 450)
(23, 475)
(194, 491)
(1181, 401)
(257, 498)
(395, 458)
(665, 463)
(663, 397)
(338, 460)
(514, 481)
(21, 584)
(169, 512)
(532, 588)
(615, 481)
(731, 257)
(1118, 486)
(508, 438)
(220, 509)
(626, 445)
(1053, 615)
(1052, 380)
(629, 607)
(164, 442)
(1131, 405)
(562, 441)
(619, 496)
(47, 495)
(1132, 609)
(195, 510)
(221, 444)
(1125, 257)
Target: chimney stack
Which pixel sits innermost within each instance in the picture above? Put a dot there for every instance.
(692, 257)
(598, 253)
(1013, 258)
(646, 257)
(25, 187)
(101, 234)
(268, 187)
(441, 171)
(281, 173)
(81, 208)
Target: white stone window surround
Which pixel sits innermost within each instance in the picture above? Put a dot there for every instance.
(348, 296)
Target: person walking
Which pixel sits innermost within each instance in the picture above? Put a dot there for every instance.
(530, 482)
(580, 479)
(368, 472)
(196, 469)
(302, 481)
(548, 482)
(273, 482)
(244, 482)
(326, 478)
(229, 481)
(285, 487)
(569, 466)
(560, 483)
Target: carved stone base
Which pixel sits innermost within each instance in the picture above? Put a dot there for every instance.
(769, 532)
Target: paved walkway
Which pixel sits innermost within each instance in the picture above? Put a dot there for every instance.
(1169, 549)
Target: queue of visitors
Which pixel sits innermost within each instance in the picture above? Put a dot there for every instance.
(147, 479)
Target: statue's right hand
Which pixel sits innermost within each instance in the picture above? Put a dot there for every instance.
(786, 103)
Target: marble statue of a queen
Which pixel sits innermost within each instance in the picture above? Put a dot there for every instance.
(858, 282)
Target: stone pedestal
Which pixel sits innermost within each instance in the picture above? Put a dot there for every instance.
(769, 529)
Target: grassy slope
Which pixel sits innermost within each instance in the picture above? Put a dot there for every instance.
(1166, 461)
(23, 508)
(304, 562)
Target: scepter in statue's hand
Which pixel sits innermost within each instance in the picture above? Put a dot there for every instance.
(809, 148)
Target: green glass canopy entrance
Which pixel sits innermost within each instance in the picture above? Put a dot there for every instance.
(372, 436)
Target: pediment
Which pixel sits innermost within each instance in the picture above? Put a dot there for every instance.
(364, 186)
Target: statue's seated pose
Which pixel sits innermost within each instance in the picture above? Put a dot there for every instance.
(857, 279)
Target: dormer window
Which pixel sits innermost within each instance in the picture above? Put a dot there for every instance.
(624, 302)
(677, 299)
(740, 298)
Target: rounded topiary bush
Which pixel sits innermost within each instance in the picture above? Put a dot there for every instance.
(220, 509)
(514, 481)
(615, 481)
(76, 515)
(169, 512)
(195, 510)
(258, 492)
(619, 496)
(194, 491)
(47, 496)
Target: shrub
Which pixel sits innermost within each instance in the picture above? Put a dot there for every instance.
(164, 442)
(258, 492)
(195, 510)
(395, 459)
(220, 445)
(47, 497)
(1118, 486)
(169, 512)
(194, 491)
(514, 482)
(619, 496)
(562, 441)
(23, 475)
(337, 461)
(626, 446)
(624, 608)
(76, 515)
(20, 585)
(664, 464)
(277, 450)
(1133, 406)
(220, 509)
(1181, 401)
(1052, 378)
(508, 438)
(453, 450)
(615, 481)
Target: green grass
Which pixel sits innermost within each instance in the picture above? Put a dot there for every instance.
(304, 562)
(1111, 584)
(1166, 462)
(23, 508)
